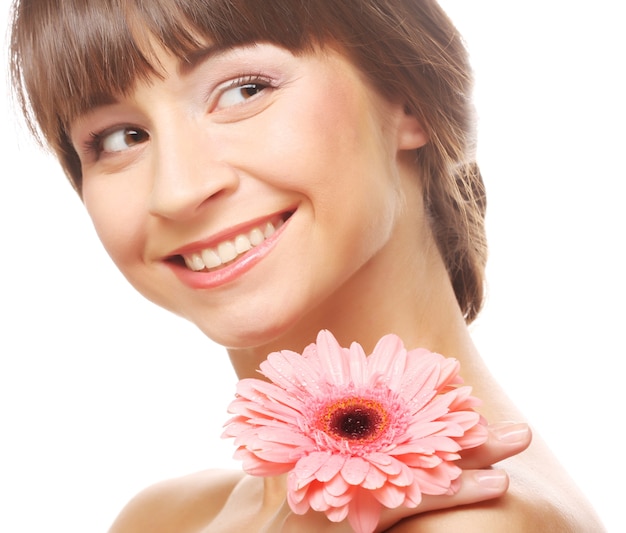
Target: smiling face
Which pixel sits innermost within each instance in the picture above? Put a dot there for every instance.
(248, 190)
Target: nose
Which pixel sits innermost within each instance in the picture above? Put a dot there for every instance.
(187, 173)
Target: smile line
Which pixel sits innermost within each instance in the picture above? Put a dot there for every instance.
(229, 250)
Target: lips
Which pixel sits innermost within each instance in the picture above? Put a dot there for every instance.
(227, 251)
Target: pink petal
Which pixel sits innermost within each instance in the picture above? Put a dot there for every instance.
(316, 497)
(337, 514)
(388, 361)
(257, 391)
(358, 364)
(309, 464)
(274, 408)
(474, 437)
(298, 486)
(419, 430)
(330, 468)
(419, 460)
(283, 435)
(355, 470)
(276, 454)
(464, 419)
(421, 375)
(332, 358)
(428, 445)
(437, 407)
(364, 512)
(437, 480)
(256, 467)
(374, 479)
(450, 368)
(390, 496)
(413, 495)
(404, 478)
(270, 417)
(337, 486)
(337, 501)
(290, 370)
(385, 463)
(298, 502)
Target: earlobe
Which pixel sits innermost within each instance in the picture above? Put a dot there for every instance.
(411, 133)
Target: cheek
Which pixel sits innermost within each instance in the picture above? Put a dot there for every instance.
(116, 216)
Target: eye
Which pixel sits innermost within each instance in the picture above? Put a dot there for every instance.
(121, 139)
(239, 91)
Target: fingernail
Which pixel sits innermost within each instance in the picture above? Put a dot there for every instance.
(510, 431)
(492, 479)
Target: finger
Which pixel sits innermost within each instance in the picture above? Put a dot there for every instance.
(505, 440)
(475, 486)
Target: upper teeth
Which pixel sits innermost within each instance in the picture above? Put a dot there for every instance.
(228, 250)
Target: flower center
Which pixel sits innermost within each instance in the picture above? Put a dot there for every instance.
(354, 419)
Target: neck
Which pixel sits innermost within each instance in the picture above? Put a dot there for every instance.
(415, 301)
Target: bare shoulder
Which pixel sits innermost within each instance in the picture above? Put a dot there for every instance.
(181, 504)
(539, 499)
(510, 514)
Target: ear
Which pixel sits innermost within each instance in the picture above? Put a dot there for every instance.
(411, 133)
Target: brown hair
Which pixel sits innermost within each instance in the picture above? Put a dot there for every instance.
(69, 55)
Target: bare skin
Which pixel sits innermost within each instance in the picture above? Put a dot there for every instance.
(536, 494)
(361, 272)
(539, 498)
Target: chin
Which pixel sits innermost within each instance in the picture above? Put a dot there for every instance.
(262, 335)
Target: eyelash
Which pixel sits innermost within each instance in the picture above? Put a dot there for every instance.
(246, 79)
(93, 145)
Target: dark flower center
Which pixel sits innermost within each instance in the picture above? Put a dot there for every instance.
(355, 419)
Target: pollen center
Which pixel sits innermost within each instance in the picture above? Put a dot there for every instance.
(354, 419)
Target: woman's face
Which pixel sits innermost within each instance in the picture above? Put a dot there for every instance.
(248, 187)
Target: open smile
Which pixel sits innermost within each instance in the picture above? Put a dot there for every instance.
(227, 251)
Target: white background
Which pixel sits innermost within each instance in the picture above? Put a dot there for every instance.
(101, 393)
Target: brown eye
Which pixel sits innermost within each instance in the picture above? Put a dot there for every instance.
(123, 139)
(239, 93)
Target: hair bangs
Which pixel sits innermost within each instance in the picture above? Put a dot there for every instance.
(87, 51)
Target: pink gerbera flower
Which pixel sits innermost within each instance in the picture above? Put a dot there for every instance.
(356, 433)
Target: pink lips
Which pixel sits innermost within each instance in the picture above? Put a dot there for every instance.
(229, 272)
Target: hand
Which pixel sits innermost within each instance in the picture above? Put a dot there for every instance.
(478, 482)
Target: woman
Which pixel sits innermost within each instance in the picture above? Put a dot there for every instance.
(269, 171)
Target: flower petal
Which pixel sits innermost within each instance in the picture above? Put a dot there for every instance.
(358, 364)
(386, 463)
(297, 500)
(390, 496)
(290, 370)
(374, 479)
(316, 497)
(338, 486)
(437, 480)
(355, 470)
(313, 420)
(337, 514)
(413, 495)
(330, 468)
(340, 500)
(332, 358)
(387, 362)
(404, 478)
(364, 512)
(309, 464)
